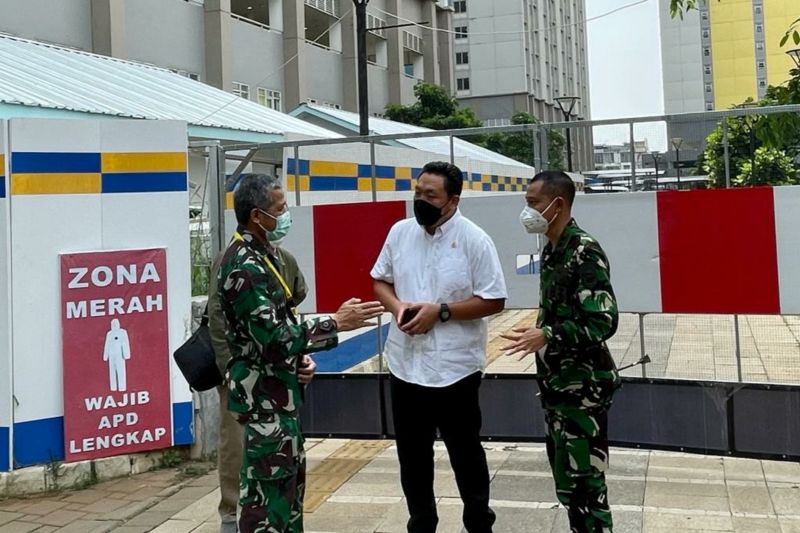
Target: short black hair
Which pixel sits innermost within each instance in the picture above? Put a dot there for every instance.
(556, 183)
(253, 191)
(453, 177)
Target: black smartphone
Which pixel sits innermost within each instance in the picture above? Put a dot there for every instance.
(408, 315)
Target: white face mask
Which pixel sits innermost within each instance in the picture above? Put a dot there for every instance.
(533, 221)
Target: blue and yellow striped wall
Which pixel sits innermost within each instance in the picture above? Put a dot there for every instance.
(2, 176)
(317, 176)
(494, 183)
(95, 173)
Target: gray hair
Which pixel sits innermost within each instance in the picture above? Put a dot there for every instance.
(253, 191)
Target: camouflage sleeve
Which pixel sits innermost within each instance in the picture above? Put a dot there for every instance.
(216, 318)
(247, 294)
(597, 316)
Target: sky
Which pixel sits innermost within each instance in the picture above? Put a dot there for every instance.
(625, 68)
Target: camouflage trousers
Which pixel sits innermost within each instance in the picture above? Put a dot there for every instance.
(577, 447)
(273, 476)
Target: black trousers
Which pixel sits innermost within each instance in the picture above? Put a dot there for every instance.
(454, 410)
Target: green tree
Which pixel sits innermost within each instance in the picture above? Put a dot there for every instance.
(769, 167)
(519, 146)
(434, 109)
(782, 130)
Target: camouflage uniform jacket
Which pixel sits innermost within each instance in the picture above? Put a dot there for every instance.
(287, 266)
(578, 313)
(265, 341)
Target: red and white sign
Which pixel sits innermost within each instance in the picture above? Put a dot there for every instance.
(116, 353)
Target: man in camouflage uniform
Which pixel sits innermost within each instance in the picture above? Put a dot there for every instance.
(267, 346)
(577, 376)
(229, 449)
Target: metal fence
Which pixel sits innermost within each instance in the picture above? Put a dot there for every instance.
(662, 152)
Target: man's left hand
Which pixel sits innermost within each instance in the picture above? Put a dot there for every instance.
(306, 371)
(426, 318)
(524, 341)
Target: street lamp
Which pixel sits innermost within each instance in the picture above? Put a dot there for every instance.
(655, 155)
(361, 45)
(567, 104)
(795, 55)
(677, 142)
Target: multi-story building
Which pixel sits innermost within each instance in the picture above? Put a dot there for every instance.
(717, 57)
(512, 56)
(723, 53)
(618, 156)
(279, 53)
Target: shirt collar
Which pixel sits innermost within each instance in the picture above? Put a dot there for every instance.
(448, 226)
(569, 230)
(254, 243)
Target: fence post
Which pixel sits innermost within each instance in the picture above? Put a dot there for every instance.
(297, 175)
(633, 159)
(727, 153)
(374, 180)
(738, 347)
(641, 344)
(216, 198)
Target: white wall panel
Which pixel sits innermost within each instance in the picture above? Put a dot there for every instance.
(787, 222)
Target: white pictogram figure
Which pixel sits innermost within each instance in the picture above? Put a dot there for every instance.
(116, 351)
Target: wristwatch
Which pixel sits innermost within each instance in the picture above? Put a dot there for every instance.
(444, 313)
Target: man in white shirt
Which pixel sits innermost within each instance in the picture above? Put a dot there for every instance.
(440, 276)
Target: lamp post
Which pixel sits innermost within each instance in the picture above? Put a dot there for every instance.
(361, 46)
(677, 142)
(795, 55)
(567, 104)
(654, 155)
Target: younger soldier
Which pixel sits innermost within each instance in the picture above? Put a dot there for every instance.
(577, 376)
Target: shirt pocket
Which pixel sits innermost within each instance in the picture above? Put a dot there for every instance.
(454, 278)
(272, 448)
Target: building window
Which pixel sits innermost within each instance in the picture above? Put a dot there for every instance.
(241, 89)
(758, 10)
(704, 15)
(708, 87)
(759, 46)
(706, 34)
(762, 64)
(251, 10)
(762, 83)
(185, 74)
(759, 28)
(269, 98)
(460, 6)
(462, 84)
(706, 52)
(709, 106)
(462, 58)
(461, 32)
(707, 70)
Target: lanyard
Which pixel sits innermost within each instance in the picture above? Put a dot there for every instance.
(237, 236)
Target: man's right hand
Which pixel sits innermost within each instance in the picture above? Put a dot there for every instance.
(354, 314)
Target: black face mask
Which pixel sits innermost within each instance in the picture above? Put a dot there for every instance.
(426, 213)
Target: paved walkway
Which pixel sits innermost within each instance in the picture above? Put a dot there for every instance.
(701, 347)
(354, 487)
